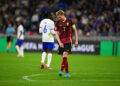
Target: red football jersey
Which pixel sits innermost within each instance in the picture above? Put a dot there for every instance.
(65, 30)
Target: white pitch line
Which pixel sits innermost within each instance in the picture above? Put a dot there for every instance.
(12, 81)
(98, 73)
(27, 78)
(6, 81)
(78, 80)
(33, 75)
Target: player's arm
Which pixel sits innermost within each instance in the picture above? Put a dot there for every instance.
(7, 31)
(76, 34)
(58, 39)
(40, 27)
(52, 30)
(13, 30)
(21, 31)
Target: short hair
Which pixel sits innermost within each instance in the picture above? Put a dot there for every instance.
(48, 14)
(60, 12)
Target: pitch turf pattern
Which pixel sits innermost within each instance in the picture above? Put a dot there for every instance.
(85, 70)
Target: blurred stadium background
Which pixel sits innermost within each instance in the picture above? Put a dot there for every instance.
(98, 25)
(98, 22)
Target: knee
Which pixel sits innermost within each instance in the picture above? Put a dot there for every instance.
(16, 46)
(45, 51)
(65, 54)
(49, 51)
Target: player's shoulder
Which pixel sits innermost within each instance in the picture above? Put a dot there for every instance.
(12, 28)
(47, 21)
(51, 21)
(57, 22)
(68, 19)
(20, 26)
(42, 20)
(8, 29)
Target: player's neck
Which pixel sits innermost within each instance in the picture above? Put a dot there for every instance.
(64, 19)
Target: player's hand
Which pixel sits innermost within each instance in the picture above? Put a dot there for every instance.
(61, 45)
(76, 43)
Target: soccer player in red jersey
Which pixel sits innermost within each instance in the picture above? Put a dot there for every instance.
(63, 31)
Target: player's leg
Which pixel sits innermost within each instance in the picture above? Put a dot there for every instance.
(49, 51)
(8, 43)
(60, 51)
(67, 50)
(44, 53)
(65, 55)
(11, 43)
(49, 59)
(21, 51)
(21, 48)
(18, 48)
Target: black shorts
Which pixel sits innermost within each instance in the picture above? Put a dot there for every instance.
(67, 48)
(9, 38)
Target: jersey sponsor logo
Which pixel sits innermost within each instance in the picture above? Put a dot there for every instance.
(64, 28)
(67, 23)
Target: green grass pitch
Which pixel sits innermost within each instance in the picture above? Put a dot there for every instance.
(85, 70)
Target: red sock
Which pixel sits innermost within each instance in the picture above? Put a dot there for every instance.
(62, 66)
(66, 66)
(63, 63)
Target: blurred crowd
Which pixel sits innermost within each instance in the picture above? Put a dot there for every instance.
(92, 17)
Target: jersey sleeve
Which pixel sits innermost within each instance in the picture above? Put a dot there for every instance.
(9, 30)
(52, 28)
(13, 30)
(56, 26)
(21, 29)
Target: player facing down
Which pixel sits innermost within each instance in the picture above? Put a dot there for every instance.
(63, 33)
(47, 27)
(20, 40)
